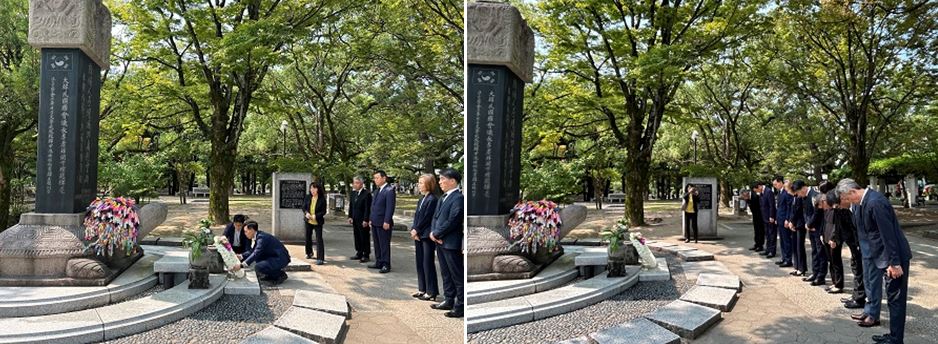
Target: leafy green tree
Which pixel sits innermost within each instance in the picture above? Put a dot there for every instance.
(19, 94)
(628, 58)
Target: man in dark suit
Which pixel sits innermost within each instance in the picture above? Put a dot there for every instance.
(767, 208)
(447, 231)
(758, 226)
(268, 255)
(814, 223)
(359, 210)
(885, 250)
(783, 212)
(235, 234)
(382, 221)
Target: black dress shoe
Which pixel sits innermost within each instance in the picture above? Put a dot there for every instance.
(796, 273)
(754, 248)
(882, 338)
(454, 314)
(846, 299)
(759, 249)
(418, 294)
(853, 305)
(818, 282)
(309, 256)
(374, 266)
(786, 265)
(764, 253)
(686, 241)
(280, 280)
(834, 290)
(868, 322)
(385, 270)
(809, 278)
(426, 297)
(355, 257)
(770, 255)
(779, 262)
(443, 306)
(365, 260)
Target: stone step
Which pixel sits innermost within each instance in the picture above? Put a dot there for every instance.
(517, 310)
(676, 248)
(694, 255)
(318, 326)
(113, 321)
(659, 273)
(638, 331)
(556, 274)
(273, 334)
(243, 286)
(729, 281)
(659, 246)
(324, 302)
(33, 301)
(692, 270)
(686, 319)
(298, 265)
(713, 297)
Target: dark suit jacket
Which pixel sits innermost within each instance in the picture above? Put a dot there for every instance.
(696, 202)
(382, 206)
(359, 205)
(423, 218)
(767, 203)
(448, 221)
(245, 242)
(886, 244)
(267, 248)
(813, 217)
(785, 202)
(320, 212)
(755, 207)
(844, 230)
(797, 217)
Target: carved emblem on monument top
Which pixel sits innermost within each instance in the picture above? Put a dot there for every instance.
(83, 24)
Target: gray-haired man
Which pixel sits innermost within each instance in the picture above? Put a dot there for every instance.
(359, 210)
(885, 250)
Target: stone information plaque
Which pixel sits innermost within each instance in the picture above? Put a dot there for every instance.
(292, 194)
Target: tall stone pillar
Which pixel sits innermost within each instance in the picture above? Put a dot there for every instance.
(47, 247)
(500, 52)
(74, 39)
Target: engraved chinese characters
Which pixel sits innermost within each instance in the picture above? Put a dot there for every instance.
(68, 131)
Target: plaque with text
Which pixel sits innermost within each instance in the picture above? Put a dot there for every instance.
(292, 194)
(494, 104)
(706, 196)
(69, 102)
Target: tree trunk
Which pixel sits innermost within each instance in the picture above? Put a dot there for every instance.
(636, 181)
(221, 172)
(726, 193)
(7, 160)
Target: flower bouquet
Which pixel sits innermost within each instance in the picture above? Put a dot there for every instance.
(535, 224)
(645, 257)
(111, 223)
(228, 255)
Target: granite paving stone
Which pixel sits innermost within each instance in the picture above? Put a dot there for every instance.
(686, 319)
(638, 331)
(315, 325)
(325, 302)
(729, 281)
(714, 297)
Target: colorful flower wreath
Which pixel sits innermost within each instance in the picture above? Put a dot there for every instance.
(111, 223)
(535, 224)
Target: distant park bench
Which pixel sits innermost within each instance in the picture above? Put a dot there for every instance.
(199, 191)
(615, 198)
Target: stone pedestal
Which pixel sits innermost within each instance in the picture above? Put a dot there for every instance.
(500, 55)
(289, 191)
(708, 210)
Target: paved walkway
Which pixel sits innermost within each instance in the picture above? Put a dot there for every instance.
(383, 310)
(778, 308)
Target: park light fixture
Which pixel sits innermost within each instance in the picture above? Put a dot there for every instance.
(693, 136)
(283, 132)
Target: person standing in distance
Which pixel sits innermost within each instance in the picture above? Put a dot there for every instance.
(359, 210)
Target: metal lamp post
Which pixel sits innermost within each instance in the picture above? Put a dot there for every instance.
(283, 134)
(693, 136)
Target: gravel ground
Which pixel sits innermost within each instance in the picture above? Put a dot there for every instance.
(641, 299)
(228, 320)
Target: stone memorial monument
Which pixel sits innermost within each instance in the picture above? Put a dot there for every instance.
(500, 55)
(289, 192)
(47, 247)
(708, 210)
